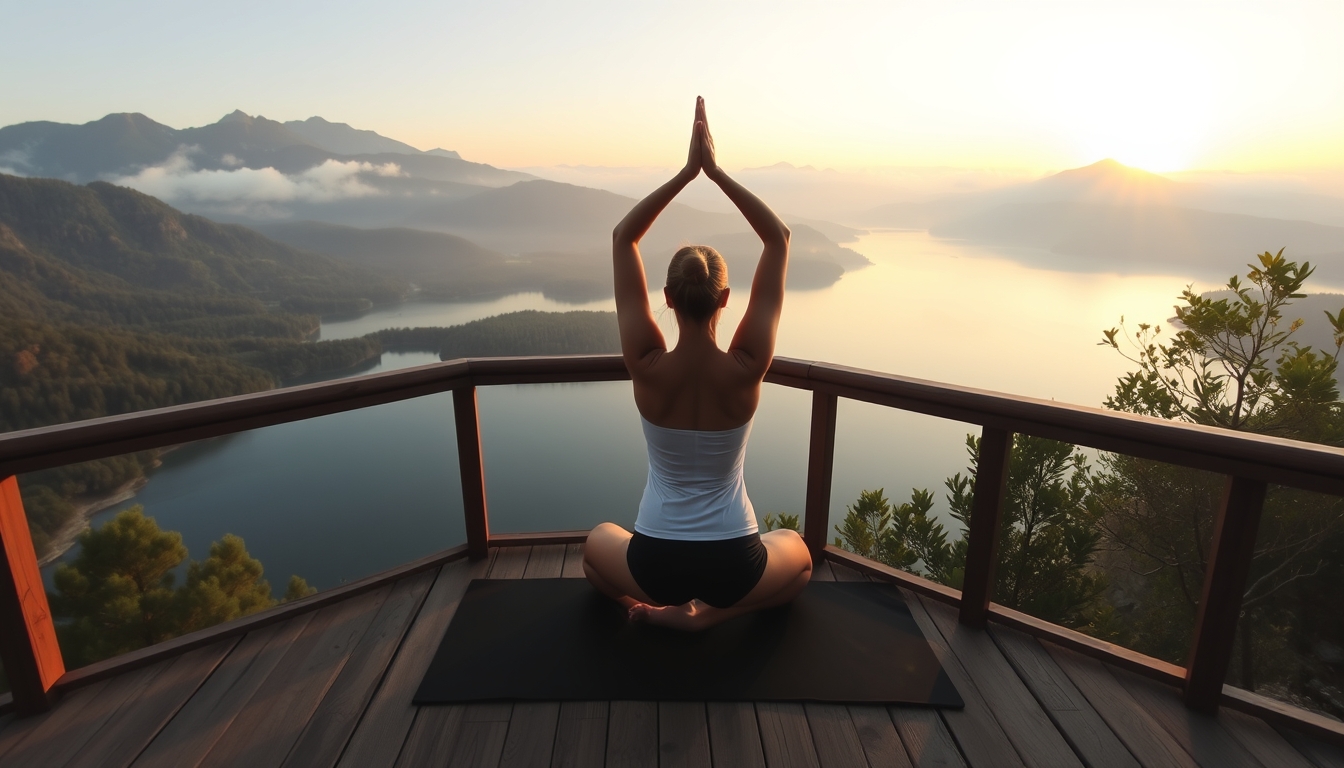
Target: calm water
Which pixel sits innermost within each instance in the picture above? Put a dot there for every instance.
(340, 497)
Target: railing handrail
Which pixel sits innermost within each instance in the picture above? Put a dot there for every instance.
(1277, 460)
(1249, 461)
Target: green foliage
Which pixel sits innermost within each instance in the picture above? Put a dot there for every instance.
(783, 520)
(1216, 369)
(1046, 547)
(119, 592)
(1232, 363)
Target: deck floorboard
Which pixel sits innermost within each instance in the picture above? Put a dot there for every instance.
(734, 735)
(333, 687)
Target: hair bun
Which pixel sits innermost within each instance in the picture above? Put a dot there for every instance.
(695, 268)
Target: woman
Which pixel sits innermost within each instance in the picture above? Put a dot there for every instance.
(695, 558)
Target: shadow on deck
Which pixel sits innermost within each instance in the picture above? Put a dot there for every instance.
(332, 687)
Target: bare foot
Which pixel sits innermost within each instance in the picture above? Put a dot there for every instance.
(690, 617)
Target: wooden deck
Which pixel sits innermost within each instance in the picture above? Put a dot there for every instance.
(332, 687)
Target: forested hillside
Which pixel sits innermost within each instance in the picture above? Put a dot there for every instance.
(112, 302)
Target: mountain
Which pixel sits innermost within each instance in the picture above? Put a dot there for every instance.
(536, 217)
(109, 256)
(122, 145)
(341, 139)
(1118, 236)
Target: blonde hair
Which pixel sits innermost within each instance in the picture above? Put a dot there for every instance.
(696, 279)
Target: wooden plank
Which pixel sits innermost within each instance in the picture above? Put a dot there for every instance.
(834, 736)
(845, 573)
(387, 720)
(573, 562)
(480, 737)
(131, 729)
(581, 736)
(431, 738)
(277, 714)
(1229, 564)
(926, 738)
(982, 537)
(683, 735)
(45, 725)
(1022, 719)
(329, 729)
(734, 735)
(1114, 655)
(822, 571)
(975, 729)
(632, 734)
(878, 737)
(538, 539)
(1321, 754)
(883, 572)
(1141, 733)
(1315, 725)
(786, 738)
(820, 466)
(531, 736)
(1262, 741)
(28, 647)
(1070, 711)
(471, 464)
(60, 738)
(207, 714)
(509, 563)
(546, 562)
(1199, 734)
(238, 627)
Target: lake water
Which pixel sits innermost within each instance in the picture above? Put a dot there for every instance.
(340, 497)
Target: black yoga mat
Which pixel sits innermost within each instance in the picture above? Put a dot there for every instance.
(559, 639)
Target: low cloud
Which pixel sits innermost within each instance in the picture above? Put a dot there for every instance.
(178, 179)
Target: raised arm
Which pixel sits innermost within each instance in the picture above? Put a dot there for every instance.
(640, 335)
(754, 342)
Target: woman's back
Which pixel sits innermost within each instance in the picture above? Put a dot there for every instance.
(697, 386)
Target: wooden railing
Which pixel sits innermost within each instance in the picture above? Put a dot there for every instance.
(1250, 462)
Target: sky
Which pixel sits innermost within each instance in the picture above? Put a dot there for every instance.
(1036, 86)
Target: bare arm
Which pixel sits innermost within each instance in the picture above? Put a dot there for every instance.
(754, 342)
(640, 335)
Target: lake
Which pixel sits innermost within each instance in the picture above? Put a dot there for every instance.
(340, 497)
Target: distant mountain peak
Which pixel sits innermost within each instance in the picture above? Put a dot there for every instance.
(237, 116)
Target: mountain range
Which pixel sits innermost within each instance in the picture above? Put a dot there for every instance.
(1107, 216)
(123, 144)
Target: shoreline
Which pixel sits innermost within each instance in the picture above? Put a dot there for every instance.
(69, 533)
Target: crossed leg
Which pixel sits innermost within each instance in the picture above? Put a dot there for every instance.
(788, 567)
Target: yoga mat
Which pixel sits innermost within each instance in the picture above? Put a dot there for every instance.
(560, 639)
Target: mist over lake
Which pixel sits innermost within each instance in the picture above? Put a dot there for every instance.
(343, 496)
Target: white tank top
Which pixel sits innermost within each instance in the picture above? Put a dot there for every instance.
(695, 490)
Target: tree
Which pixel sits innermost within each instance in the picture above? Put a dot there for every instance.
(1046, 545)
(1231, 363)
(118, 593)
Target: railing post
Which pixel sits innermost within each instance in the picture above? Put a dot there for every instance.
(820, 463)
(469, 460)
(1224, 582)
(982, 547)
(28, 646)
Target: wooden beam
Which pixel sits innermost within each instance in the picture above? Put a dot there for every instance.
(537, 539)
(982, 546)
(1229, 564)
(820, 464)
(28, 646)
(472, 465)
(910, 581)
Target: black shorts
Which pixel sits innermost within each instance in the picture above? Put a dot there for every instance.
(719, 573)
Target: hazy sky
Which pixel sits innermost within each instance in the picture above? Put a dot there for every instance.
(1027, 85)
